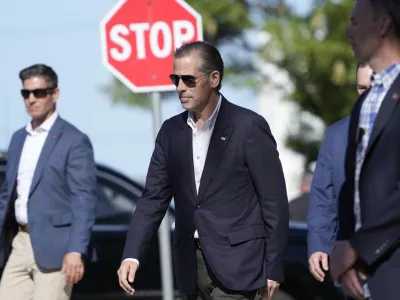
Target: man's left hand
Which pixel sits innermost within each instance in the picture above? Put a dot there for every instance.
(73, 267)
(270, 289)
(342, 259)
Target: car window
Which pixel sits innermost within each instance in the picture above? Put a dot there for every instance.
(2, 174)
(2, 171)
(115, 204)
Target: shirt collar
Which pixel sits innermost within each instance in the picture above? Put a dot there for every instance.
(386, 77)
(45, 126)
(207, 125)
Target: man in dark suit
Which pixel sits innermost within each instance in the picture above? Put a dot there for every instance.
(220, 163)
(47, 201)
(369, 204)
(326, 186)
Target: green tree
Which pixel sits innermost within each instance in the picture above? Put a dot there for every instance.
(315, 53)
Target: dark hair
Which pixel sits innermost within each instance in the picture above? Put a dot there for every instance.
(210, 56)
(40, 70)
(392, 9)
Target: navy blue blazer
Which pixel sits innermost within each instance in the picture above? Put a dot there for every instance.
(377, 242)
(61, 205)
(328, 179)
(240, 211)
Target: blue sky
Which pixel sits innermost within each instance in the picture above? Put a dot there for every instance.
(66, 36)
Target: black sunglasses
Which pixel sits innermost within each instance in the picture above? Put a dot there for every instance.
(188, 80)
(38, 93)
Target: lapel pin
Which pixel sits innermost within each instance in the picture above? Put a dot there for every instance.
(395, 96)
(223, 138)
(53, 137)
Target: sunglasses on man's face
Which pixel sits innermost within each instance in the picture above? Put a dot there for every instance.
(188, 80)
(37, 93)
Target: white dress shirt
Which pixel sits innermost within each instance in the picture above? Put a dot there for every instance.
(201, 141)
(31, 150)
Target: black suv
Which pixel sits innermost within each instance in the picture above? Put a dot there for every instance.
(117, 198)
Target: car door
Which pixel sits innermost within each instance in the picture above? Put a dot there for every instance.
(117, 199)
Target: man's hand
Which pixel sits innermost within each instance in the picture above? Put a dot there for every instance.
(342, 259)
(315, 261)
(269, 291)
(73, 267)
(126, 275)
(351, 284)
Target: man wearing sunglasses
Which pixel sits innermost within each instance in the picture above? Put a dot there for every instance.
(47, 201)
(220, 163)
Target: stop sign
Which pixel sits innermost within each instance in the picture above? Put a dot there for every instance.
(139, 36)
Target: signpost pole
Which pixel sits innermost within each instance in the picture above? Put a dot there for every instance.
(164, 231)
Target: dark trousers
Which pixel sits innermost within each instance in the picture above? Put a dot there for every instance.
(209, 288)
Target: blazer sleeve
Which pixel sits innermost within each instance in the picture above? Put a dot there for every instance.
(322, 212)
(3, 196)
(4, 192)
(152, 206)
(81, 180)
(267, 177)
(374, 240)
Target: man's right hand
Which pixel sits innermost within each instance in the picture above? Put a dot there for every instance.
(315, 261)
(350, 282)
(126, 274)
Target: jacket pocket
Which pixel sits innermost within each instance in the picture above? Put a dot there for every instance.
(241, 235)
(60, 220)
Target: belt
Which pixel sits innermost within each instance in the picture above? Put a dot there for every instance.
(197, 243)
(24, 228)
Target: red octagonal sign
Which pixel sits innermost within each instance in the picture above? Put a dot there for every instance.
(139, 36)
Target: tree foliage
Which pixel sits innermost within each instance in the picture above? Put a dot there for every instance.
(315, 53)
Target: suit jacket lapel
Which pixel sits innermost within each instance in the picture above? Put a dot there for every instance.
(187, 155)
(387, 108)
(219, 139)
(51, 140)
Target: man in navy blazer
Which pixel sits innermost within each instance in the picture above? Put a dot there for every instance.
(326, 185)
(47, 201)
(368, 248)
(220, 163)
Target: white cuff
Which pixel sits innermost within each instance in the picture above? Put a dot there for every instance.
(131, 259)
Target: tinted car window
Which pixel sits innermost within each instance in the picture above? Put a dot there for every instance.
(114, 203)
(2, 171)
